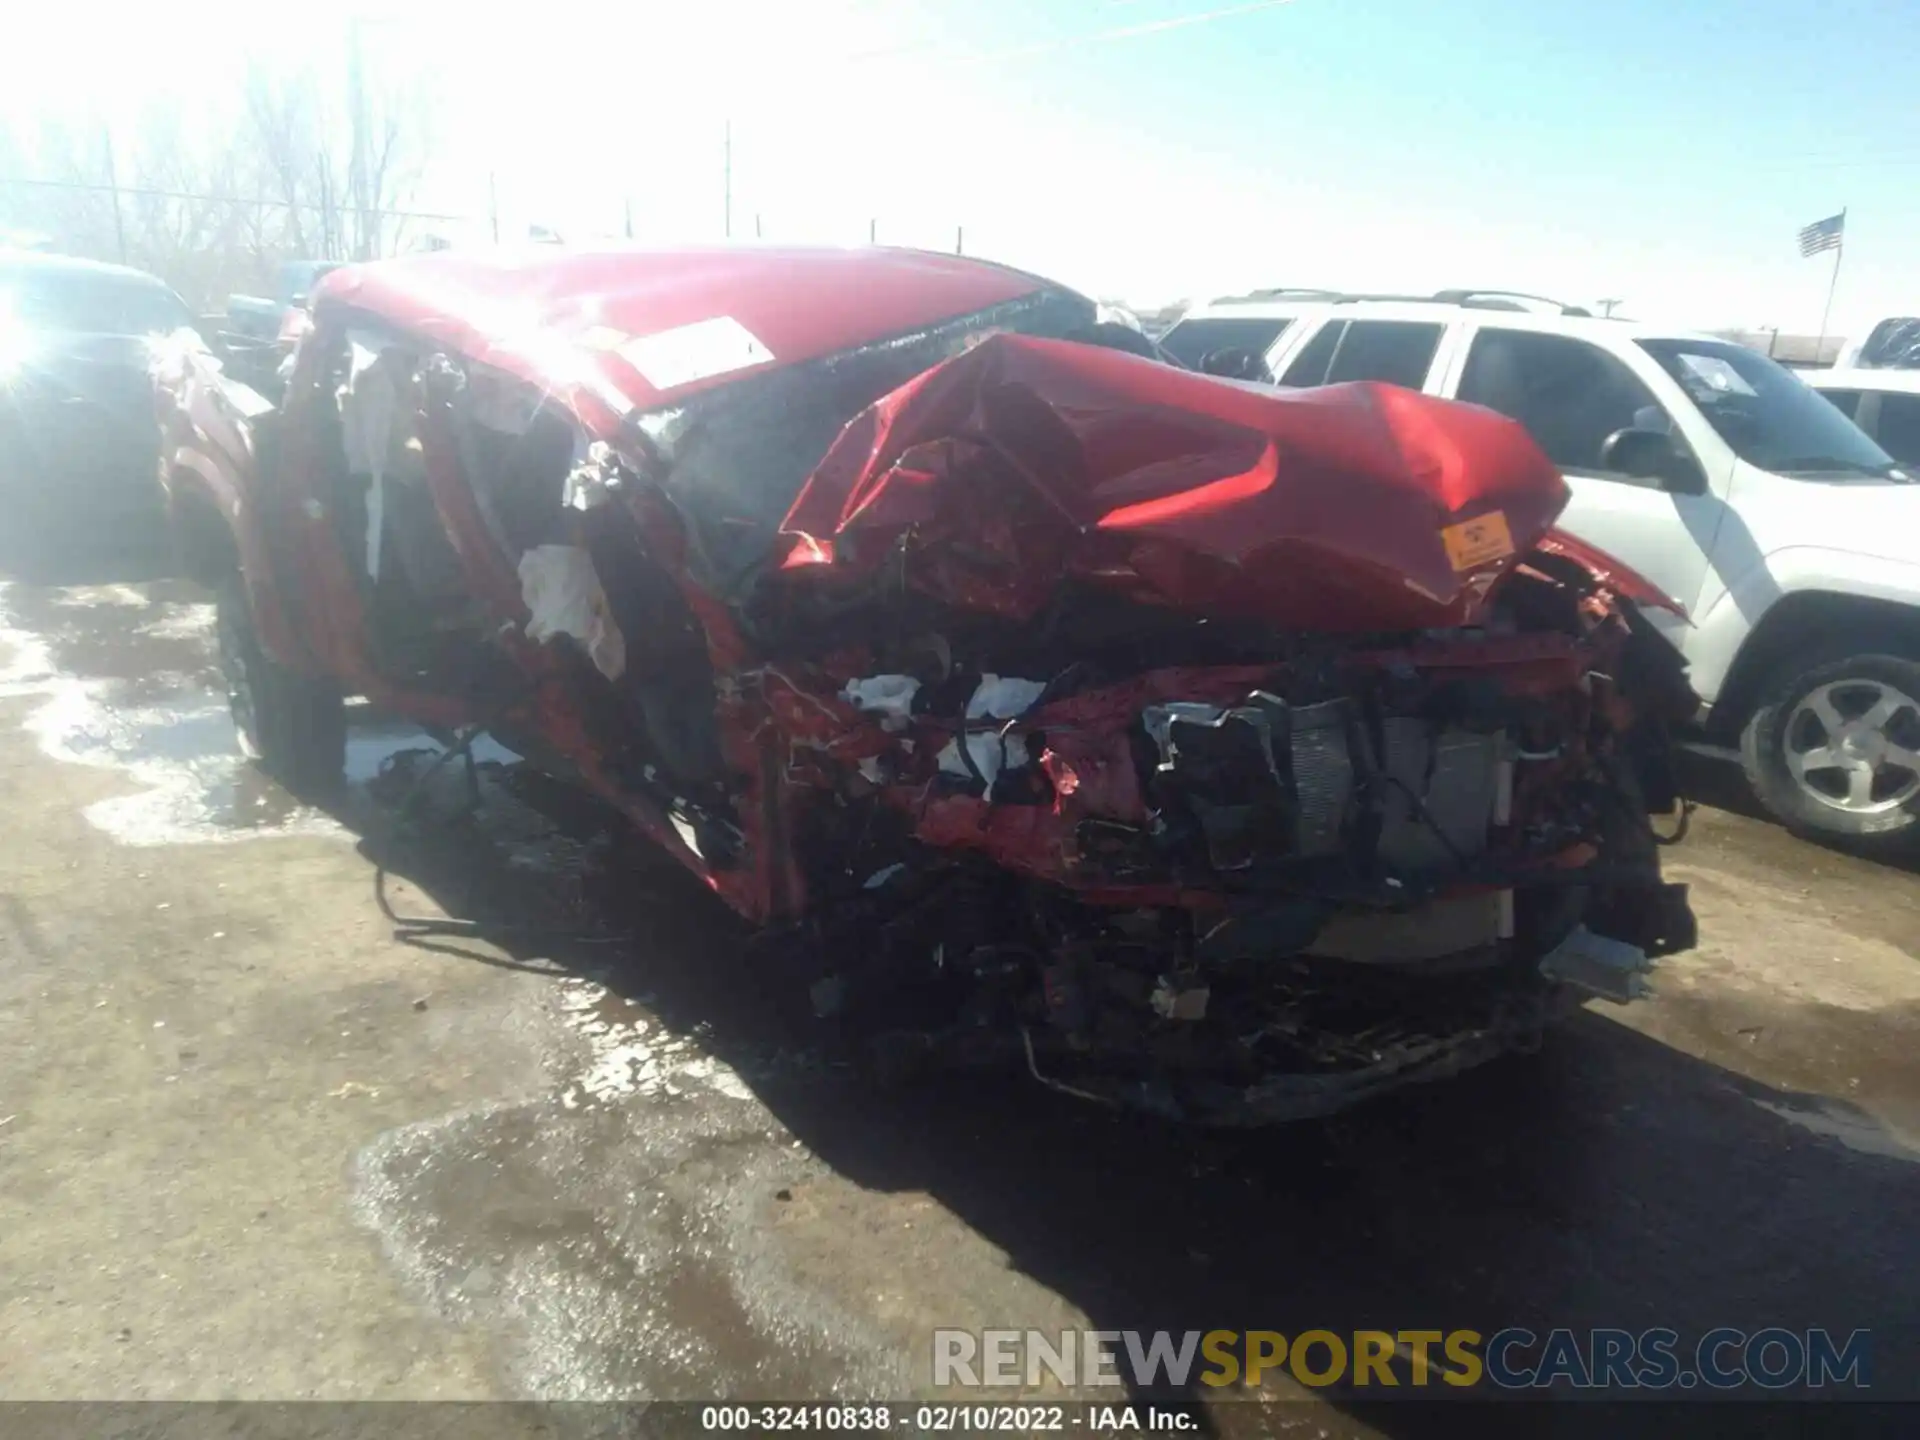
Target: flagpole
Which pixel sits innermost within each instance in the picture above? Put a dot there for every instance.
(1839, 249)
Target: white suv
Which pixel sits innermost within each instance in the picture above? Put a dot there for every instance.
(1791, 539)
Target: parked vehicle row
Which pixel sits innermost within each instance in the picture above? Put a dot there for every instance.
(1786, 534)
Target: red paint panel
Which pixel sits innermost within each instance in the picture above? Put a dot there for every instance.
(1616, 575)
(1319, 509)
(555, 317)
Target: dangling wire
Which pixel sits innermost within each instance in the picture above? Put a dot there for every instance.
(412, 927)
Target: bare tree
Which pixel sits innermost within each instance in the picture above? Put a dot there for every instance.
(72, 204)
(182, 209)
(160, 199)
(289, 174)
(341, 173)
(284, 129)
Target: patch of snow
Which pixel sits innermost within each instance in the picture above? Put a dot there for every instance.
(182, 622)
(179, 753)
(86, 596)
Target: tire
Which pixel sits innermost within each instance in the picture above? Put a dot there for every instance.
(1863, 714)
(292, 727)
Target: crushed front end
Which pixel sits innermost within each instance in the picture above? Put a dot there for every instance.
(1195, 746)
(1231, 817)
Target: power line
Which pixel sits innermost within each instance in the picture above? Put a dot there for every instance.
(1065, 42)
(1155, 27)
(95, 188)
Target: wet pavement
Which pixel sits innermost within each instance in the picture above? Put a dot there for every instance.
(589, 1158)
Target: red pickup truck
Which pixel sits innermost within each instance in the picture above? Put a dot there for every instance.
(1228, 753)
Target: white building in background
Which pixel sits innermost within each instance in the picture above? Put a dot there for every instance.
(1797, 352)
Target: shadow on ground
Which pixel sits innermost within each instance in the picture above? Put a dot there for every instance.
(1608, 1182)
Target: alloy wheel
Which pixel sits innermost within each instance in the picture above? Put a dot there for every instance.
(1854, 745)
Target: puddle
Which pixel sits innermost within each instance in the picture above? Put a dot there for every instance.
(610, 1214)
(610, 1223)
(631, 1053)
(617, 1236)
(126, 679)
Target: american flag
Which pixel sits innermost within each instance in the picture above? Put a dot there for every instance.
(1823, 234)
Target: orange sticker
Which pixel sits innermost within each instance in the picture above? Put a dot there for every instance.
(1478, 541)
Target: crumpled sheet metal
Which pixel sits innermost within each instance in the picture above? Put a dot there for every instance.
(1350, 508)
(1614, 575)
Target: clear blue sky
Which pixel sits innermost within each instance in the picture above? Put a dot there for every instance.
(1652, 150)
(1662, 153)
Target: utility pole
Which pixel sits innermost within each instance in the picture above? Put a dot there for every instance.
(629, 205)
(726, 162)
(357, 129)
(493, 204)
(959, 239)
(873, 231)
(328, 227)
(1839, 249)
(1606, 308)
(757, 234)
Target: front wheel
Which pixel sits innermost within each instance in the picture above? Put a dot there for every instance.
(1833, 749)
(291, 726)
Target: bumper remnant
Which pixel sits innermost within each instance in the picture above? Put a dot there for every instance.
(1604, 967)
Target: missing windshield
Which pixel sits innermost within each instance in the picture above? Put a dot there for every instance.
(734, 458)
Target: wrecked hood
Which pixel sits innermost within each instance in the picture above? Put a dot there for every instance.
(1350, 508)
(622, 331)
